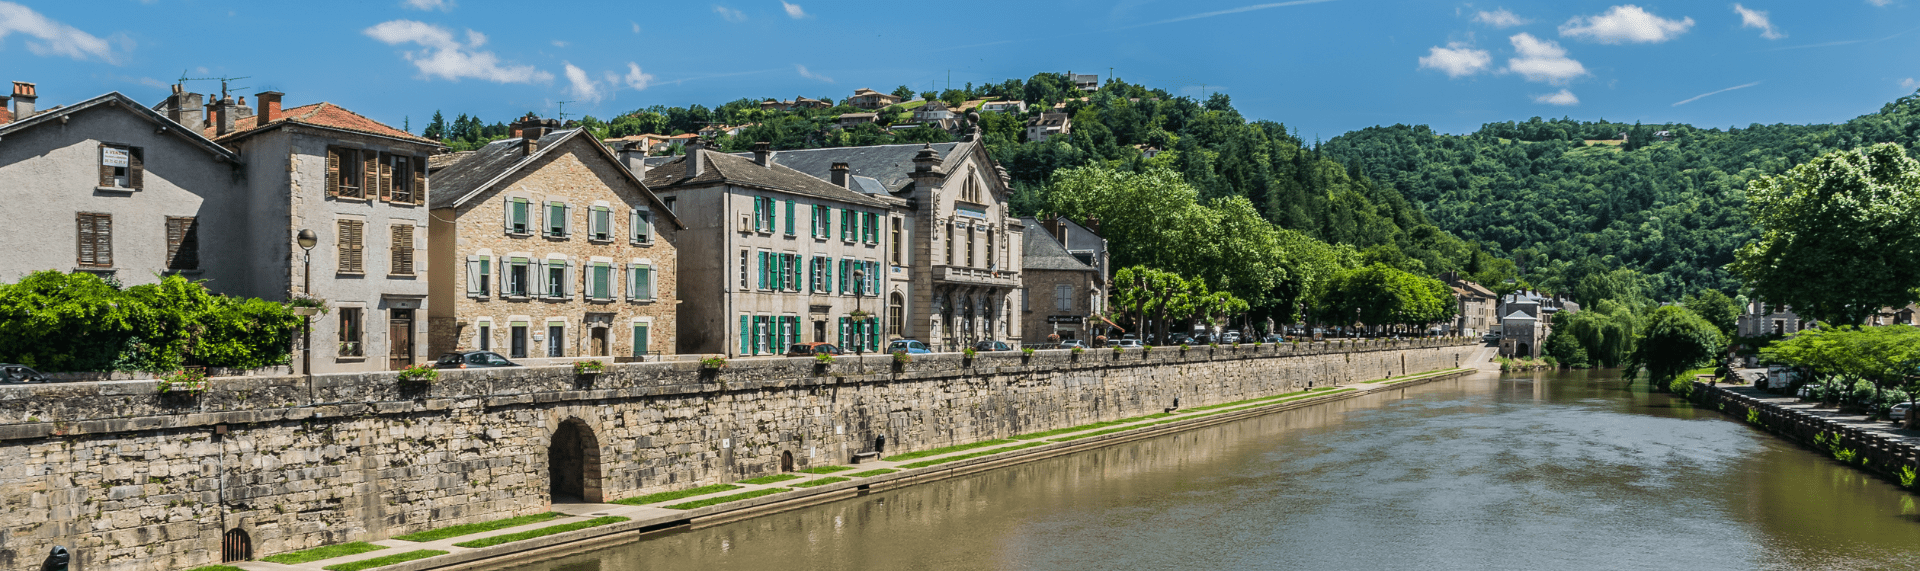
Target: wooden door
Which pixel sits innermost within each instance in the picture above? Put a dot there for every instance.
(400, 339)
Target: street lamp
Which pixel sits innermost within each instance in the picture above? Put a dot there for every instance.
(307, 240)
(859, 286)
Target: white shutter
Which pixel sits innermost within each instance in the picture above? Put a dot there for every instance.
(568, 281)
(506, 209)
(652, 292)
(633, 225)
(473, 276)
(566, 224)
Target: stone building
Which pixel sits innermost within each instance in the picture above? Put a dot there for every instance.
(869, 99)
(1065, 275)
(1477, 314)
(360, 186)
(82, 196)
(1047, 125)
(550, 250)
(783, 257)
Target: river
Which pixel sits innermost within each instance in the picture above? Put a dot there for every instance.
(1542, 470)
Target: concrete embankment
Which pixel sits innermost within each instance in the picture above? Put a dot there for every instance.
(1877, 447)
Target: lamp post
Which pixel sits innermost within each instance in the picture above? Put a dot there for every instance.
(1356, 323)
(859, 286)
(307, 240)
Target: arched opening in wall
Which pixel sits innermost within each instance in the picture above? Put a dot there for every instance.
(880, 443)
(573, 463)
(786, 461)
(1523, 350)
(236, 545)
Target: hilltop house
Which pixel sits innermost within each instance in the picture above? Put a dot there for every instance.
(1047, 125)
(869, 99)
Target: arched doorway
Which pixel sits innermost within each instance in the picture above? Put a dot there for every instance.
(573, 463)
(236, 545)
(786, 461)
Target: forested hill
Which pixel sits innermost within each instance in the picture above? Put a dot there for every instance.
(1565, 198)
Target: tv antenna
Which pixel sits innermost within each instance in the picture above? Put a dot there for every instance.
(223, 81)
(563, 110)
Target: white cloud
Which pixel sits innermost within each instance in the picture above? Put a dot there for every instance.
(1880, 2)
(637, 80)
(1623, 25)
(729, 14)
(793, 10)
(1458, 59)
(636, 27)
(430, 5)
(57, 39)
(1501, 18)
(1909, 83)
(582, 87)
(1757, 19)
(559, 44)
(1704, 95)
(1564, 97)
(1543, 60)
(443, 56)
(811, 75)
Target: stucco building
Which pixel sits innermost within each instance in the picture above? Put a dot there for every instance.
(1477, 314)
(869, 99)
(1065, 275)
(549, 249)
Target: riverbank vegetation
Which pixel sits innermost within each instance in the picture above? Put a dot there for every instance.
(1864, 368)
(472, 528)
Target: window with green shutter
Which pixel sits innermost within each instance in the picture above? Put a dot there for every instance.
(846, 225)
(790, 228)
(763, 270)
(640, 340)
(746, 335)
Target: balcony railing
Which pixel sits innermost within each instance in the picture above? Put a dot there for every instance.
(976, 276)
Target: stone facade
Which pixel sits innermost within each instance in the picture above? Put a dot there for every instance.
(529, 285)
(133, 480)
(967, 250)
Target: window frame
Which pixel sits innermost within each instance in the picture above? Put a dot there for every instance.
(89, 224)
(187, 246)
(352, 329)
(350, 244)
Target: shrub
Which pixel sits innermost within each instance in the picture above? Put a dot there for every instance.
(80, 322)
(304, 300)
(588, 367)
(1117, 350)
(420, 373)
(713, 363)
(191, 380)
(1145, 349)
(902, 358)
(1079, 350)
(1028, 351)
(968, 352)
(1053, 338)
(823, 359)
(1907, 476)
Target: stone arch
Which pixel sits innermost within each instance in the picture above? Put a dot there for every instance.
(786, 461)
(236, 545)
(573, 462)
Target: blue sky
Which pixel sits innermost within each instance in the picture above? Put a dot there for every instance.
(1323, 67)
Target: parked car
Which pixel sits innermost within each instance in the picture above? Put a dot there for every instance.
(11, 373)
(1201, 339)
(1273, 338)
(472, 360)
(1071, 343)
(992, 346)
(814, 348)
(1490, 338)
(1128, 343)
(1230, 337)
(1899, 411)
(912, 347)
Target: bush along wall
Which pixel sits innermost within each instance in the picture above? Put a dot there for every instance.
(79, 322)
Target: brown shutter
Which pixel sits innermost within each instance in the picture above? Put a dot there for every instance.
(83, 238)
(370, 174)
(350, 247)
(333, 171)
(136, 168)
(402, 248)
(103, 240)
(386, 175)
(106, 172)
(183, 244)
(419, 179)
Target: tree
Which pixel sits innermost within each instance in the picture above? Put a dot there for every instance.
(1722, 311)
(903, 92)
(928, 96)
(1675, 340)
(1838, 235)
(437, 129)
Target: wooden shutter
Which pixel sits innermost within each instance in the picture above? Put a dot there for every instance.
(419, 179)
(646, 282)
(369, 174)
(351, 243)
(106, 172)
(136, 168)
(746, 332)
(95, 239)
(403, 248)
(333, 172)
(183, 244)
(474, 277)
(384, 163)
(759, 214)
(790, 229)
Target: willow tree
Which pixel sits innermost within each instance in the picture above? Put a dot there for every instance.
(1675, 339)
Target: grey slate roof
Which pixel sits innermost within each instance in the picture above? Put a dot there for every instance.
(1043, 252)
(462, 178)
(742, 171)
(116, 99)
(890, 165)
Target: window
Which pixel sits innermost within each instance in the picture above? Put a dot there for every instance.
(602, 281)
(557, 219)
(402, 248)
(761, 335)
(408, 176)
(846, 274)
(762, 256)
(970, 258)
(486, 337)
(790, 228)
(639, 282)
(821, 215)
(519, 213)
(1063, 297)
(517, 340)
(600, 226)
(347, 173)
(183, 243)
(896, 314)
(746, 335)
(556, 340)
(897, 247)
(640, 339)
(744, 257)
(1025, 303)
(95, 239)
(352, 325)
(813, 275)
(479, 276)
(556, 282)
(870, 232)
(352, 240)
(640, 226)
(516, 285)
(121, 167)
(671, 202)
(846, 225)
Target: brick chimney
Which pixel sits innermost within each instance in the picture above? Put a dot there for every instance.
(269, 106)
(528, 145)
(841, 176)
(763, 154)
(1093, 224)
(695, 166)
(24, 94)
(6, 116)
(633, 155)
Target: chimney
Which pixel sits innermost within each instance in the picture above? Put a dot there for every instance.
(1093, 224)
(695, 166)
(528, 145)
(763, 154)
(269, 106)
(840, 176)
(24, 94)
(222, 118)
(633, 155)
(5, 115)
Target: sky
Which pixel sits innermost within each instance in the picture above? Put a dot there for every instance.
(1322, 67)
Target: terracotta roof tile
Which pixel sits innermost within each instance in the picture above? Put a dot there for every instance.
(321, 114)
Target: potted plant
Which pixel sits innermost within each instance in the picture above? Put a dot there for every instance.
(1144, 350)
(900, 360)
(589, 367)
(1117, 350)
(1026, 354)
(713, 364)
(968, 354)
(306, 305)
(1076, 353)
(420, 374)
(1053, 338)
(188, 381)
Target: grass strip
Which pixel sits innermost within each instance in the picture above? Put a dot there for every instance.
(820, 482)
(1060, 431)
(1254, 400)
(724, 499)
(769, 479)
(1271, 403)
(542, 532)
(323, 552)
(384, 561)
(1107, 431)
(872, 473)
(666, 496)
(826, 469)
(464, 529)
(217, 568)
(946, 450)
(926, 463)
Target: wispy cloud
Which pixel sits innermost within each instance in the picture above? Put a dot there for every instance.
(637, 80)
(1757, 19)
(53, 38)
(793, 10)
(636, 26)
(811, 75)
(1626, 24)
(581, 86)
(729, 14)
(1563, 97)
(1880, 2)
(1239, 10)
(1712, 93)
(429, 5)
(559, 44)
(443, 56)
(1458, 59)
(1501, 18)
(1909, 83)
(1543, 60)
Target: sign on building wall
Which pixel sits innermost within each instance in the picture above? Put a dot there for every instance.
(113, 157)
(1073, 319)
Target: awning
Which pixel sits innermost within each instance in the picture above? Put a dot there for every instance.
(1109, 322)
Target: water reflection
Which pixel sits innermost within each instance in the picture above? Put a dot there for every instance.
(1524, 471)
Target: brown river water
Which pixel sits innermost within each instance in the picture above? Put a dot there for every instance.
(1546, 470)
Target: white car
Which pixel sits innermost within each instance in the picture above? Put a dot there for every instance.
(1127, 344)
(1899, 411)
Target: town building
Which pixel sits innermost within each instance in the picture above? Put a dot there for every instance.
(795, 104)
(1477, 314)
(551, 249)
(1003, 106)
(850, 120)
(652, 144)
(1066, 278)
(783, 257)
(1084, 81)
(869, 99)
(1047, 125)
(1527, 319)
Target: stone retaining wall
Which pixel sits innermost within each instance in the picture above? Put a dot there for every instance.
(137, 480)
(1874, 452)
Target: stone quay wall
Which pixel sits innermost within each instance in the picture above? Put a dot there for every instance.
(133, 479)
(1876, 453)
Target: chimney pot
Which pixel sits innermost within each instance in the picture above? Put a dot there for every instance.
(695, 167)
(763, 154)
(269, 106)
(528, 145)
(24, 94)
(842, 175)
